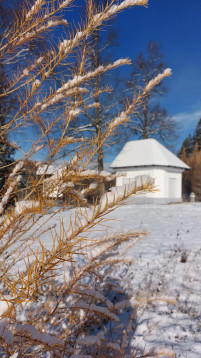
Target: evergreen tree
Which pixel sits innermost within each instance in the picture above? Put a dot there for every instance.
(190, 142)
(6, 150)
(197, 135)
(187, 146)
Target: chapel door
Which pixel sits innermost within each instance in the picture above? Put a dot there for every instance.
(172, 187)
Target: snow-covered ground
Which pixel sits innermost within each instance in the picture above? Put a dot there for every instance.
(167, 268)
(167, 265)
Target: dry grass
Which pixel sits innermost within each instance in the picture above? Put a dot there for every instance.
(63, 301)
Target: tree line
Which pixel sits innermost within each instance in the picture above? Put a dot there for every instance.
(190, 153)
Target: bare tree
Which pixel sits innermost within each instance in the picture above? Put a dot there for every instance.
(150, 120)
(97, 112)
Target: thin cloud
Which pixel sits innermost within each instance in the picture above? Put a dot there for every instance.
(187, 117)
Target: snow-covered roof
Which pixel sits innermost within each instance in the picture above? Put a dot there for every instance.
(146, 152)
(48, 169)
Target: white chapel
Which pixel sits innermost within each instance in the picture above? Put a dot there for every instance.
(149, 157)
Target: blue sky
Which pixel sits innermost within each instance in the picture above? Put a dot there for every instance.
(175, 24)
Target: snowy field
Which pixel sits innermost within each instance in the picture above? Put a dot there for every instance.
(167, 266)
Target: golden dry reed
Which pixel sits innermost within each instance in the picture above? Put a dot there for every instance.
(58, 297)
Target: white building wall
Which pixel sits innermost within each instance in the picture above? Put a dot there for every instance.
(155, 173)
(173, 184)
(168, 183)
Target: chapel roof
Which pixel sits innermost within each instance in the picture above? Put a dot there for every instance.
(146, 152)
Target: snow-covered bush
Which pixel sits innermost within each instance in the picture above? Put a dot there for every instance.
(59, 300)
(22, 205)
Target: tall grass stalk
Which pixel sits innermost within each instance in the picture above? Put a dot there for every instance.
(59, 300)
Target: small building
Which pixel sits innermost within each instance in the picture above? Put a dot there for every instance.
(149, 157)
(89, 185)
(49, 172)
